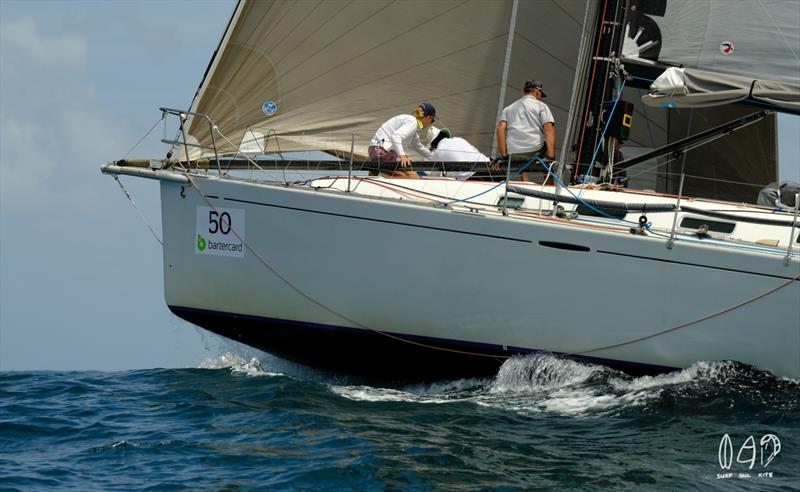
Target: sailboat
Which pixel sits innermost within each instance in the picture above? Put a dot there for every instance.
(442, 277)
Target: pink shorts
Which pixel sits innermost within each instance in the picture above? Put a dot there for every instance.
(379, 154)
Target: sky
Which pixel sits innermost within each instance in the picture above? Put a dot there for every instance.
(81, 283)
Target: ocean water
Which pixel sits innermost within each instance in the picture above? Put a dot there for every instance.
(241, 423)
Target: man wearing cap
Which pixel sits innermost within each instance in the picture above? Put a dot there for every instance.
(393, 137)
(526, 130)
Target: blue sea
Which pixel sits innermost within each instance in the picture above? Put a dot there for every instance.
(260, 423)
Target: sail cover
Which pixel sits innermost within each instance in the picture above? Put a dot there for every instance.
(731, 50)
(314, 75)
(701, 88)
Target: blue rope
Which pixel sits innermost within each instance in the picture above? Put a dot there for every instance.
(642, 78)
(556, 178)
(600, 143)
(501, 183)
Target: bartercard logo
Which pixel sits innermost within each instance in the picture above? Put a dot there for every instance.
(220, 232)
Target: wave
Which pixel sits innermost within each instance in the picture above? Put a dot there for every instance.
(544, 383)
(237, 365)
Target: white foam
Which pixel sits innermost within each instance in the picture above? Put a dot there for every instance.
(370, 394)
(699, 371)
(237, 365)
(541, 372)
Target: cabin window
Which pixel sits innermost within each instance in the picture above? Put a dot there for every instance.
(713, 225)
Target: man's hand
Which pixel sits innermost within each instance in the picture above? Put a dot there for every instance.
(498, 163)
(405, 161)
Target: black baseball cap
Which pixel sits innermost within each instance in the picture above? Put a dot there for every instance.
(534, 84)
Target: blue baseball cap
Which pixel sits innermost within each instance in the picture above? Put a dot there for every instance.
(427, 109)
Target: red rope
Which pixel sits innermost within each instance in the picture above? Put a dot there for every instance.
(591, 85)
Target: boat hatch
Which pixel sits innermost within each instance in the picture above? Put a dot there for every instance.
(695, 223)
(514, 202)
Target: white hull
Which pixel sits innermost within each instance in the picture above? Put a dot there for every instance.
(477, 281)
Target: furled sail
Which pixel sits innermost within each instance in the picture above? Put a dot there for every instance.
(727, 51)
(312, 75)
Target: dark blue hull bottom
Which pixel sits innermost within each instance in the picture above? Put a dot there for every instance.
(368, 353)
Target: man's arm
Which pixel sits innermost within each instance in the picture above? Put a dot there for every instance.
(501, 137)
(404, 134)
(421, 148)
(550, 139)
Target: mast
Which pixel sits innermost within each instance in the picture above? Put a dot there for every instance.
(607, 42)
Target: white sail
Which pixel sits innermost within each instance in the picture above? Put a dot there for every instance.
(314, 75)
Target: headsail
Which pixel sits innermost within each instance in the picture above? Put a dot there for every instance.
(310, 75)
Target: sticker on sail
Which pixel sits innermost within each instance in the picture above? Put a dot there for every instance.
(269, 108)
(726, 48)
(219, 232)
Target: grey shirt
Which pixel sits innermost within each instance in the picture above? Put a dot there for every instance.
(525, 119)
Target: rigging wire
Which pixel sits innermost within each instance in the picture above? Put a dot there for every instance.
(690, 323)
(152, 231)
(249, 159)
(145, 135)
(603, 135)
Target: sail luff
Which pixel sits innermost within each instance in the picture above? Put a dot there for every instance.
(212, 66)
(512, 27)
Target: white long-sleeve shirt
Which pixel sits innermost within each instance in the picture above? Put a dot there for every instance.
(398, 133)
(457, 150)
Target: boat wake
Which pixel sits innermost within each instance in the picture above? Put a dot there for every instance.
(549, 384)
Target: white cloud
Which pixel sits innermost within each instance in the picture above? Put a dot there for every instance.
(52, 129)
(21, 37)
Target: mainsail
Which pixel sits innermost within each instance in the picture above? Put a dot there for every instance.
(314, 75)
(728, 51)
(713, 54)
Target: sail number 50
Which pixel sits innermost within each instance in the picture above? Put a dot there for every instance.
(219, 222)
